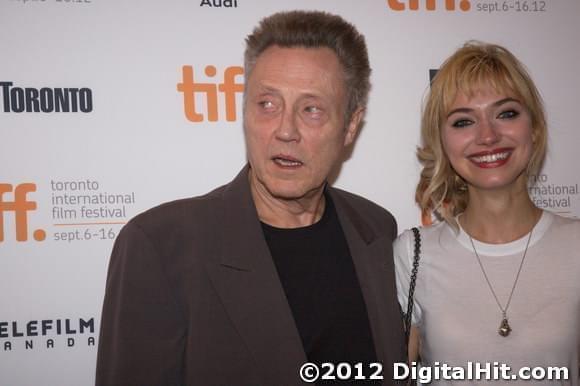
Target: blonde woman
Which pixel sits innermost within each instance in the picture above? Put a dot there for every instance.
(498, 279)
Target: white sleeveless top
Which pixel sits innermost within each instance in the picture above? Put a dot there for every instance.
(459, 318)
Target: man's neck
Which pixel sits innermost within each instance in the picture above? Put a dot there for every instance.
(282, 212)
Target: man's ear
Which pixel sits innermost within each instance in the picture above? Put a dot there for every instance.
(353, 126)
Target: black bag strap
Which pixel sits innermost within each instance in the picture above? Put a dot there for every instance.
(410, 301)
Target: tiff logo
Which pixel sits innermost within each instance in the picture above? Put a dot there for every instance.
(209, 91)
(430, 5)
(20, 206)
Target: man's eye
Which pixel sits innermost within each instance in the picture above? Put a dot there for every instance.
(312, 109)
(461, 123)
(508, 114)
(266, 104)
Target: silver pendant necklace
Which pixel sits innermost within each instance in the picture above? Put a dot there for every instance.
(504, 327)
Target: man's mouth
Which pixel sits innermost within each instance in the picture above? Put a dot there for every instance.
(287, 161)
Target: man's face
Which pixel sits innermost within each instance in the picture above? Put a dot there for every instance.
(294, 120)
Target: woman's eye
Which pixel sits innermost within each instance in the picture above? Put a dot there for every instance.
(461, 123)
(508, 114)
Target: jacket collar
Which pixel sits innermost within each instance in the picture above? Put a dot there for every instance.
(239, 205)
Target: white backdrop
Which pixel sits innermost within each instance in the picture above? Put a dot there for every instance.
(126, 144)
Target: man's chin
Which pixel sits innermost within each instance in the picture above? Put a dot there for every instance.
(285, 189)
(287, 193)
(291, 191)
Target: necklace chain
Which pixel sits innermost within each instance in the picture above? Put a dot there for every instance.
(503, 309)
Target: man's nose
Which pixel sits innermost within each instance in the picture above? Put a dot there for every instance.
(287, 130)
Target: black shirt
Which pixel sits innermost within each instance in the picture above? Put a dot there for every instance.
(318, 276)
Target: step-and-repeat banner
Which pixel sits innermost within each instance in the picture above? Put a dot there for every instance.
(110, 107)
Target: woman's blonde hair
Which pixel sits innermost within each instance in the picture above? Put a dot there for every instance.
(441, 190)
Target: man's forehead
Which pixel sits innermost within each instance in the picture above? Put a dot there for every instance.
(322, 57)
(308, 69)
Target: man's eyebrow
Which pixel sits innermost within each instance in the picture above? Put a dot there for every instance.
(265, 88)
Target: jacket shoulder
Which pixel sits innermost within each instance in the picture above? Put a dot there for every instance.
(172, 212)
(184, 215)
(377, 217)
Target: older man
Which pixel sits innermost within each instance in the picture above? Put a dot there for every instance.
(244, 285)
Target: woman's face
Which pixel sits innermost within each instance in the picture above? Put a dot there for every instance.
(488, 139)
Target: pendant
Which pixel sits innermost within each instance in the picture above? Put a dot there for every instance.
(504, 328)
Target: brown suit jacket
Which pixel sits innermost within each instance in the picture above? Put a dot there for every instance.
(193, 296)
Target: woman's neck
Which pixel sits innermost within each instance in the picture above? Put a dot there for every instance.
(499, 217)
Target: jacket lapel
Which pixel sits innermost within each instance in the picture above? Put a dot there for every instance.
(372, 258)
(247, 282)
